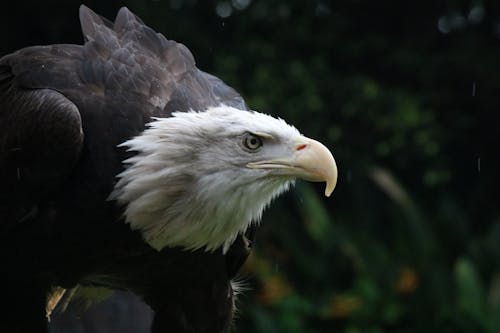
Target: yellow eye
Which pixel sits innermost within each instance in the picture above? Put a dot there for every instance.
(252, 142)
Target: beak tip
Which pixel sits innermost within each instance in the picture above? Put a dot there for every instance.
(331, 179)
(329, 189)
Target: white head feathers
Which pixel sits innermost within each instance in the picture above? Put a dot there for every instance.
(189, 186)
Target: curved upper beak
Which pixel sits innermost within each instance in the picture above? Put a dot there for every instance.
(310, 161)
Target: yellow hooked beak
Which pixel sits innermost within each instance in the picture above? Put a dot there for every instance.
(310, 161)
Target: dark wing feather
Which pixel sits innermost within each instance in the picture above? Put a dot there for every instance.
(40, 141)
(136, 59)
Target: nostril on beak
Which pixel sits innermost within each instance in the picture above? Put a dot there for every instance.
(302, 146)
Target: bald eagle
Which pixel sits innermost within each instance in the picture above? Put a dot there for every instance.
(123, 165)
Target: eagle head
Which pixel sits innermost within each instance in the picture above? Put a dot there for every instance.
(198, 179)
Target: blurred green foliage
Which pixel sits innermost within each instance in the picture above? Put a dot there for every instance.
(406, 95)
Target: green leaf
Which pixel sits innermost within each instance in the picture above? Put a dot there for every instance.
(470, 291)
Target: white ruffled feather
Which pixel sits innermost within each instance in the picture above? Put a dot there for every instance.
(188, 185)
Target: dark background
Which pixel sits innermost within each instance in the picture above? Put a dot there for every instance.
(406, 94)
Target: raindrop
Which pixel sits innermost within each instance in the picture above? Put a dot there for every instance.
(241, 4)
(453, 21)
(476, 14)
(474, 89)
(479, 164)
(322, 9)
(444, 25)
(224, 9)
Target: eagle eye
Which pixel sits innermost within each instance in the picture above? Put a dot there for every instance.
(252, 142)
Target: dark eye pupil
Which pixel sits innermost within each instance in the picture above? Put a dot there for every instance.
(252, 142)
